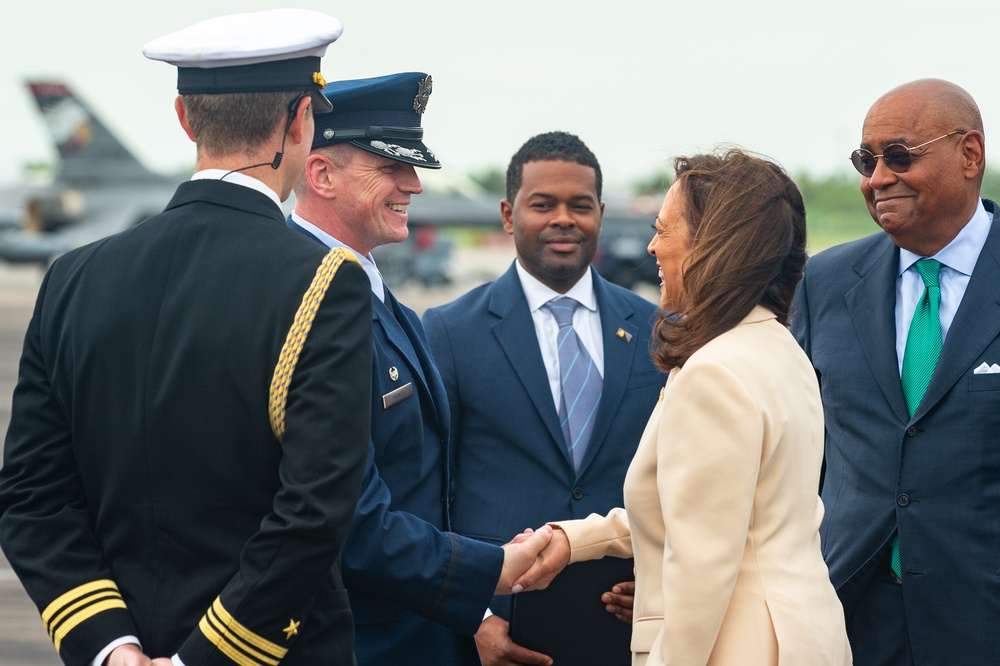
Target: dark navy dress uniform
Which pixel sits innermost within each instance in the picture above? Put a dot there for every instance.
(143, 491)
(187, 438)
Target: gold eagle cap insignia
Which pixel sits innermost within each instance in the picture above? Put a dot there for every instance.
(423, 95)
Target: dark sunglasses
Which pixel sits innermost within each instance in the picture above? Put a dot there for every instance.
(896, 156)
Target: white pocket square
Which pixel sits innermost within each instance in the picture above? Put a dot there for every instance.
(987, 369)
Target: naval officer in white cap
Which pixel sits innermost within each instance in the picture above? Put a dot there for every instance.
(191, 420)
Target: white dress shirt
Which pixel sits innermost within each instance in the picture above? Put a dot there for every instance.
(367, 262)
(238, 178)
(957, 258)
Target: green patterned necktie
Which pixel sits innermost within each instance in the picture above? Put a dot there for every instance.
(923, 347)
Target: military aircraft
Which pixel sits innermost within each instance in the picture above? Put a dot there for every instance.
(100, 188)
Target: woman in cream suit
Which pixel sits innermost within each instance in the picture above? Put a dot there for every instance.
(721, 506)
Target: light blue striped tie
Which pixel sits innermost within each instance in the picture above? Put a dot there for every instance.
(581, 382)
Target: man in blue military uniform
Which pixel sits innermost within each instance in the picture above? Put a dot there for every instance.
(417, 592)
(190, 424)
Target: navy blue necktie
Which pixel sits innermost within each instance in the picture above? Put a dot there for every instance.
(580, 380)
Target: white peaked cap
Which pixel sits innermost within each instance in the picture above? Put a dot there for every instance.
(248, 39)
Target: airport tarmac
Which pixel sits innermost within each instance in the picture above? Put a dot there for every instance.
(23, 641)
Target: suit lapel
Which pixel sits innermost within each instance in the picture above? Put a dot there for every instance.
(871, 304)
(976, 323)
(401, 331)
(401, 334)
(619, 357)
(515, 332)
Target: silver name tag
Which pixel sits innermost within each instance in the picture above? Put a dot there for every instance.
(397, 396)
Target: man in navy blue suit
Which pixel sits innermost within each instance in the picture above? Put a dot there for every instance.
(418, 592)
(519, 460)
(903, 328)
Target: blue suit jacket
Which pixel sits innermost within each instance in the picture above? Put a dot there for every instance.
(415, 590)
(512, 467)
(934, 477)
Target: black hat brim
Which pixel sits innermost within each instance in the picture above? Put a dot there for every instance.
(400, 150)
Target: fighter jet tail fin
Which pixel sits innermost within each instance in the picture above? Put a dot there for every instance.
(88, 152)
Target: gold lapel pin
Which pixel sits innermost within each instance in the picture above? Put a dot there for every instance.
(624, 335)
(393, 373)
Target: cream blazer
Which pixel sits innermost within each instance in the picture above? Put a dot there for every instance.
(722, 513)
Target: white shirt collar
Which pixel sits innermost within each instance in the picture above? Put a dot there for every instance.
(238, 178)
(538, 294)
(367, 262)
(963, 251)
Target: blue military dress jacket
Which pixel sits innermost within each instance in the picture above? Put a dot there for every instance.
(416, 590)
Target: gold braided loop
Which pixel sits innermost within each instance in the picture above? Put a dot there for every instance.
(298, 333)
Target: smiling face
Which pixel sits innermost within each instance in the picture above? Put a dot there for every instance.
(373, 193)
(923, 208)
(671, 245)
(555, 220)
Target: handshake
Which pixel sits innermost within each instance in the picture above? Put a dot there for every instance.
(532, 559)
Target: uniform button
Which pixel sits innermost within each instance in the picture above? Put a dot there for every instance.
(577, 493)
(911, 431)
(903, 499)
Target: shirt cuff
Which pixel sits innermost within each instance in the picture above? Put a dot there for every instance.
(176, 660)
(103, 654)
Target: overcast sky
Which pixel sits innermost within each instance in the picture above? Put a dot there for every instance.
(640, 81)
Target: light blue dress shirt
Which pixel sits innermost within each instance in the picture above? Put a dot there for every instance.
(957, 258)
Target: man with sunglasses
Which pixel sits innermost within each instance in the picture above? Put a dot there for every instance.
(903, 329)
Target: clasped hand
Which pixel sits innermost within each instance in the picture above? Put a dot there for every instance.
(532, 559)
(130, 655)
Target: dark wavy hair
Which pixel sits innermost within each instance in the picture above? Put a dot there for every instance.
(748, 248)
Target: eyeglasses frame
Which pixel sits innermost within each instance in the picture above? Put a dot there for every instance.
(906, 148)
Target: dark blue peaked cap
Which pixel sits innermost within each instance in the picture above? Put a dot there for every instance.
(380, 115)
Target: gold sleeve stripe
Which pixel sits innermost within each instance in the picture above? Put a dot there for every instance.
(236, 641)
(78, 605)
(82, 616)
(75, 594)
(225, 648)
(298, 333)
(231, 624)
(68, 613)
